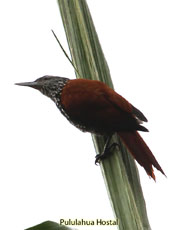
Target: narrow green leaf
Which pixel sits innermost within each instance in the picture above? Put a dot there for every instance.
(119, 170)
(48, 225)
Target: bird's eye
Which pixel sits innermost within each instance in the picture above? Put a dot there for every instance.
(44, 78)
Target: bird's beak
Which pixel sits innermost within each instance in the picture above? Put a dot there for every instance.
(33, 84)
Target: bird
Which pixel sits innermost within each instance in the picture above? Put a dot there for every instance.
(94, 107)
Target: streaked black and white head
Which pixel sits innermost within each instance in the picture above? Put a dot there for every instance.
(50, 86)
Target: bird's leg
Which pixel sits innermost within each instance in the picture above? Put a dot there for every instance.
(107, 150)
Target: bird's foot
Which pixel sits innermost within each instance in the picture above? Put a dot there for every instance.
(106, 152)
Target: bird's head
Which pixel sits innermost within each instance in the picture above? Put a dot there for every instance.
(48, 85)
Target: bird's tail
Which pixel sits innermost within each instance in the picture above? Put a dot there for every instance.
(140, 151)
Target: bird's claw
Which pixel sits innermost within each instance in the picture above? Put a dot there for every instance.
(113, 146)
(98, 159)
(106, 152)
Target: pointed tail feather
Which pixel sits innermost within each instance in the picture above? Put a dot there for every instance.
(140, 151)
